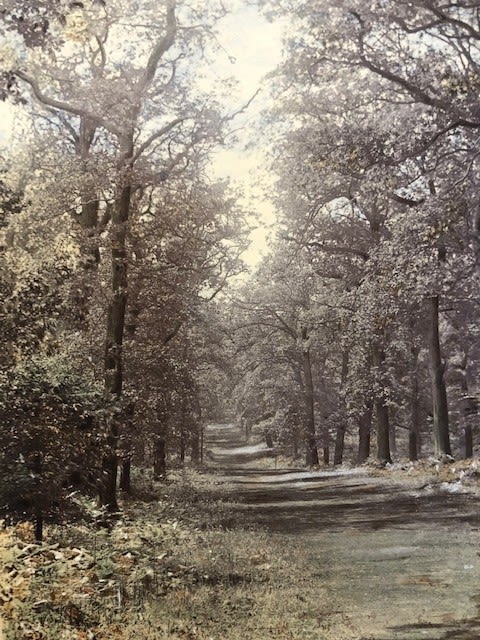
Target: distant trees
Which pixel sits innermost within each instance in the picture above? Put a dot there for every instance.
(376, 158)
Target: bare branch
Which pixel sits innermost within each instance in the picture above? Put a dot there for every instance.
(158, 134)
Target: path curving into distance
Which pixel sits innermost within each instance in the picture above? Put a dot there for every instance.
(400, 560)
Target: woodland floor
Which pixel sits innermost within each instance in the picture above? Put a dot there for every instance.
(246, 550)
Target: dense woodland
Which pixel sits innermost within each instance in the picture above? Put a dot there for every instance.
(128, 320)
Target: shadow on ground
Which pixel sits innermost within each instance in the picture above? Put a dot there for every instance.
(400, 558)
(456, 630)
(285, 501)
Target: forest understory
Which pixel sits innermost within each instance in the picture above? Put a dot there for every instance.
(189, 558)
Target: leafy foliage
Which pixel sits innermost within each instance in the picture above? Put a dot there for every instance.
(51, 416)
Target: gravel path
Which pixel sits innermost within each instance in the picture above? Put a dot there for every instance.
(400, 558)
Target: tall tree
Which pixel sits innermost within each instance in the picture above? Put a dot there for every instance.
(132, 104)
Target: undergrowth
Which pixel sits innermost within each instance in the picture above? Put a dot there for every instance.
(177, 564)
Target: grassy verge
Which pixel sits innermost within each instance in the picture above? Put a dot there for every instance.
(178, 564)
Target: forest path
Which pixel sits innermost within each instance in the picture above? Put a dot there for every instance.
(399, 559)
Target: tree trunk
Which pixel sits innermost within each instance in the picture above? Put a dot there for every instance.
(393, 434)
(468, 435)
(414, 431)
(381, 409)
(441, 429)
(195, 444)
(326, 454)
(383, 432)
(364, 433)
(295, 447)
(342, 426)
(310, 440)
(125, 475)
(467, 408)
(88, 217)
(116, 321)
(339, 444)
(159, 457)
(38, 525)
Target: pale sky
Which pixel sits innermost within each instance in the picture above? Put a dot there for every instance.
(256, 46)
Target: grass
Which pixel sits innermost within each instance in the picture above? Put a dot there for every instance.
(178, 564)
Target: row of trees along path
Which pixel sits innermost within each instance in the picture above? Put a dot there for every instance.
(116, 243)
(364, 316)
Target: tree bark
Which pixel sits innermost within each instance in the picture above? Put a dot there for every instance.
(383, 432)
(364, 434)
(310, 440)
(116, 319)
(441, 429)
(339, 444)
(159, 457)
(414, 430)
(38, 525)
(326, 454)
(467, 408)
(381, 410)
(342, 426)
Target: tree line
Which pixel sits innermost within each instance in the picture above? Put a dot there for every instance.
(363, 322)
(358, 333)
(115, 245)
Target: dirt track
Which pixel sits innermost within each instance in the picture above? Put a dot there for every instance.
(400, 560)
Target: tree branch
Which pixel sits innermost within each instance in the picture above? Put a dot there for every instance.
(60, 105)
(415, 91)
(158, 134)
(162, 46)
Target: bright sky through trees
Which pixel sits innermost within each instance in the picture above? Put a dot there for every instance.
(250, 48)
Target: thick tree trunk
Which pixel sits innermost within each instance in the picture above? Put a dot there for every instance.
(383, 432)
(310, 440)
(116, 322)
(441, 429)
(364, 434)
